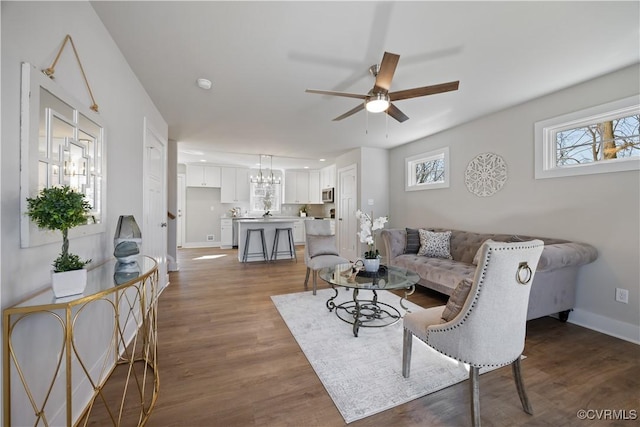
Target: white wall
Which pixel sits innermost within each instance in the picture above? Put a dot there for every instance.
(373, 182)
(603, 209)
(33, 32)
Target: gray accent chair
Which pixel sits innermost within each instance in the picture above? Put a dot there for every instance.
(489, 330)
(314, 228)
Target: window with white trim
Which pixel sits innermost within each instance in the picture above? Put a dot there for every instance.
(427, 171)
(601, 139)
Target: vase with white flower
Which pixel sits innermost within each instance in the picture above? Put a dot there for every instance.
(368, 227)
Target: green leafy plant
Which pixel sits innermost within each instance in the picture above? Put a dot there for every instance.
(60, 208)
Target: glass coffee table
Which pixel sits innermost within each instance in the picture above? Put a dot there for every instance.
(368, 313)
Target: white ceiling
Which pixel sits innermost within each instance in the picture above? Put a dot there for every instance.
(261, 56)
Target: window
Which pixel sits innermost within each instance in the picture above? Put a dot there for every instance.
(62, 143)
(265, 197)
(427, 171)
(601, 139)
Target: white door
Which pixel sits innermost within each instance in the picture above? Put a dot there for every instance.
(154, 234)
(346, 212)
(181, 212)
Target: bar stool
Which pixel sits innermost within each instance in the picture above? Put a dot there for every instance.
(246, 254)
(276, 244)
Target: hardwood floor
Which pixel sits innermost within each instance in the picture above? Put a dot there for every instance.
(227, 358)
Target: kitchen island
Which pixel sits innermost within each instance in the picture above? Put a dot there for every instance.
(269, 225)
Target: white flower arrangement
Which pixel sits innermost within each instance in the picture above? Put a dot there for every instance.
(368, 227)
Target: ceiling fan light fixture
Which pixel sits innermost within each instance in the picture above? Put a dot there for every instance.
(377, 103)
(204, 83)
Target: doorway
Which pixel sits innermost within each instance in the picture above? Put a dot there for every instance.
(346, 211)
(154, 240)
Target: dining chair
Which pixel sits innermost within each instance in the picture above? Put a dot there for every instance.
(484, 322)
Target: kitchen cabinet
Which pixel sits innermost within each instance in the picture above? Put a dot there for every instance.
(234, 185)
(203, 176)
(315, 193)
(328, 177)
(226, 233)
(302, 187)
(296, 187)
(299, 237)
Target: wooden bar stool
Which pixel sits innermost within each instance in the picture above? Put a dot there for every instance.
(246, 254)
(291, 251)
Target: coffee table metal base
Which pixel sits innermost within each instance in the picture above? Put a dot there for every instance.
(369, 313)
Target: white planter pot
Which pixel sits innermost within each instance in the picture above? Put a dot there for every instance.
(371, 265)
(69, 282)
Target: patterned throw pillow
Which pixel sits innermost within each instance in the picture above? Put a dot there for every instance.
(457, 300)
(413, 241)
(435, 245)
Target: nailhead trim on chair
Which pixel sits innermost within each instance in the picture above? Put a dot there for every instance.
(473, 304)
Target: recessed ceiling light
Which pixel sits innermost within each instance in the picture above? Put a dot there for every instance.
(204, 83)
(202, 160)
(323, 160)
(306, 167)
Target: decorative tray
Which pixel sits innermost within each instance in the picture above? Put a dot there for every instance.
(382, 272)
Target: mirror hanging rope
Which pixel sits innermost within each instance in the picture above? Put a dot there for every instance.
(51, 70)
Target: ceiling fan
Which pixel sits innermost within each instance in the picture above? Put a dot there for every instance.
(379, 98)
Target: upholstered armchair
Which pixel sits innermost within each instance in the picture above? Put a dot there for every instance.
(486, 326)
(320, 249)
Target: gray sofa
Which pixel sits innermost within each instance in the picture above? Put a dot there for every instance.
(554, 286)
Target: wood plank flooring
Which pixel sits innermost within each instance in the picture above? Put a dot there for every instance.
(227, 358)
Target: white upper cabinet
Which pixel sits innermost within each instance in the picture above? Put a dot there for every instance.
(296, 187)
(302, 187)
(234, 185)
(328, 177)
(203, 176)
(315, 193)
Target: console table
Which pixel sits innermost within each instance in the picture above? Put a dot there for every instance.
(60, 352)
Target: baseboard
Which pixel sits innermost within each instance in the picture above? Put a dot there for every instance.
(201, 245)
(615, 328)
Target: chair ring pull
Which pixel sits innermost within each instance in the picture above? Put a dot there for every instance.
(524, 273)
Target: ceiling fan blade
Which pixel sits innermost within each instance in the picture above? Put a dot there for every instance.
(395, 112)
(423, 91)
(385, 74)
(329, 92)
(350, 112)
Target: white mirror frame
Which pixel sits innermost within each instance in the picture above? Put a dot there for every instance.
(32, 80)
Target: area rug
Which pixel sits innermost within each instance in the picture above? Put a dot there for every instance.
(363, 375)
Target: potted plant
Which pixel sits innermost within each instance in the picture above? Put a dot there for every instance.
(62, 208)
(368, 227)
(303, 210)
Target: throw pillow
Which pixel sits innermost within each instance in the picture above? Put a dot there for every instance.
(457, 300)
(321, 245)
(476, 258)
(413, 241)
(435, 245)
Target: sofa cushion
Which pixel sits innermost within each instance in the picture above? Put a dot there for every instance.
(435, 245)
(476, 257)
(457, 300)
(413, 241)
(445, 272)
(321, 245)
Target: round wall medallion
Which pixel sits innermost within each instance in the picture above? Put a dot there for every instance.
(485, 174)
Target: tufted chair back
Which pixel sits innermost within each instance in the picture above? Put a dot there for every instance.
(489, 329)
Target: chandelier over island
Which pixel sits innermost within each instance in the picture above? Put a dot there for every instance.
(268, 177)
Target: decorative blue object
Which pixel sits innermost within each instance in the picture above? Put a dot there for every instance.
(127, 240)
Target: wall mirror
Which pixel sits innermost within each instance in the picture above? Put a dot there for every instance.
(62, 143)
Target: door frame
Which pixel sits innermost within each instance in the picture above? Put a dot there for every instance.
(346, 234)
(161, 259)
